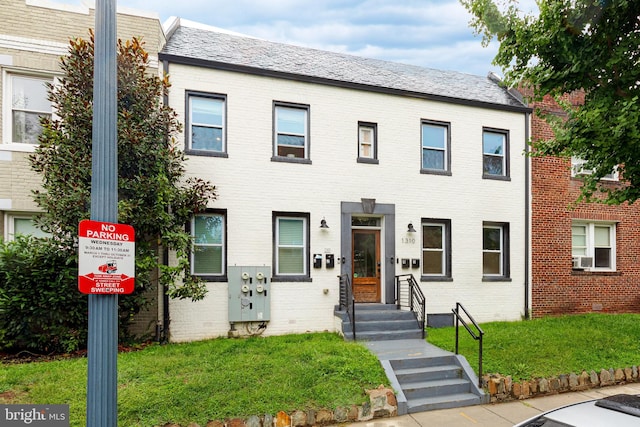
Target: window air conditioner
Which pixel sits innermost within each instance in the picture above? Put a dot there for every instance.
(582, 262)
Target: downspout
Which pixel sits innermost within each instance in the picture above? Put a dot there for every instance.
(527, 214)
(165, 250)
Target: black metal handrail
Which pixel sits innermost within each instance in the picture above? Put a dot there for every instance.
(347, 301)
(409, 295)
(476, 335)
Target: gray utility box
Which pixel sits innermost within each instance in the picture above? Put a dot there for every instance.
(249, 294)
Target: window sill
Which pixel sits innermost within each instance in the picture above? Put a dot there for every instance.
(496, 279)
(436, 279)
(291, 279)
(368, 161)
(595, 273)
(206, 153)
(497, 177)
(435, 172)
(14, 146)
(290, 160)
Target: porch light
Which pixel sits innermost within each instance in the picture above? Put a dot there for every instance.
(323, 223)
(410, 228)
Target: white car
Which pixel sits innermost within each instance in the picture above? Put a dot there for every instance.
(620, 410)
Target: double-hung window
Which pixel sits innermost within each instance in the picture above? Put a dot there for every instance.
(291, 131)
(208, 256)
(367, 142)
(495, 250)
(436, 249)
(495, 154)
(28, 104)
(436, 147)
(206, 115)
(593, 246)
(291, 245)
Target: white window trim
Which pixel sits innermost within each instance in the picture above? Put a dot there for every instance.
(504, 156)
(305, 135)
(444, 150)
(443, 250)
(590, 248)
(9, 223)
(372, 144)
(499, 251)
(7, 143)
(220, 245)
(305, 263)
(215, 97)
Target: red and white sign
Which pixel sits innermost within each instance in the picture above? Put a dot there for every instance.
(106, 258)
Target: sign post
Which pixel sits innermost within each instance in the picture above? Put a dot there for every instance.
(102, 343)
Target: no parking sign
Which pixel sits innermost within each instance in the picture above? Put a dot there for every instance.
(106, 258)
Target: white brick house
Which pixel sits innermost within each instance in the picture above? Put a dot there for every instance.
(296, 138)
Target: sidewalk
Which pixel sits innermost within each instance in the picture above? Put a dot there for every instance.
(499, 414)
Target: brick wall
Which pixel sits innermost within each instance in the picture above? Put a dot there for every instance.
(556, 287)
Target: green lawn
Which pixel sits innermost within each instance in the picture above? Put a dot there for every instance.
(207, 380)
(550, 346)
(225, 378)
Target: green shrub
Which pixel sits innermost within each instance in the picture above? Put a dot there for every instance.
(41, 309)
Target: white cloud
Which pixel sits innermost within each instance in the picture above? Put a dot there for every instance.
(430, 33)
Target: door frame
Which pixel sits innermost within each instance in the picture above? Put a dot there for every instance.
(387, 242)
(375, 231)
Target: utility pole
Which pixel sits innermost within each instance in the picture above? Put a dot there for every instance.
(102, 378)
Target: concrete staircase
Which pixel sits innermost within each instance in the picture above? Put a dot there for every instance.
(437, 382)
(376, 322)
(424, 376)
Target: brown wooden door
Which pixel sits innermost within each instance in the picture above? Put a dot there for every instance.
(366, 265)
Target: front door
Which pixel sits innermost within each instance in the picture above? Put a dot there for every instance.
(366, 265)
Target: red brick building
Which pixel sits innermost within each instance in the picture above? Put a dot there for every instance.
(584, 258)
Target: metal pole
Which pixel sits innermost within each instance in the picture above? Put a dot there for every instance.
(102, 409)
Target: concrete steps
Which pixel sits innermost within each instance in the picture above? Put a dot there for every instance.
(430, 383)
(376, 322)
(425, 377)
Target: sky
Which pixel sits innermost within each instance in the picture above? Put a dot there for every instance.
(428, 33)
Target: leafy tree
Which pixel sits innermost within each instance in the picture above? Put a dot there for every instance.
(577, 45)
(154, 195)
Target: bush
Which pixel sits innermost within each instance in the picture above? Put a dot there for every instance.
(41, 309)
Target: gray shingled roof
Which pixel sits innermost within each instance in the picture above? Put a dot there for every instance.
(213, 48)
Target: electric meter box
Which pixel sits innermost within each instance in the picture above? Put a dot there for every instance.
(249, 293)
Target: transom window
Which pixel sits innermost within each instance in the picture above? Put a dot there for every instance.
(291, 131)
(206, 129)
(29, 103)
(435, 146)
(495, 154)
(436, 248)
(291, 245)
(208, 255)
(495, 250)
(367, 142)
(593, 246)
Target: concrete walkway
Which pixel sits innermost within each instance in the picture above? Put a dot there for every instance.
(404, 349)
(498, 414)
